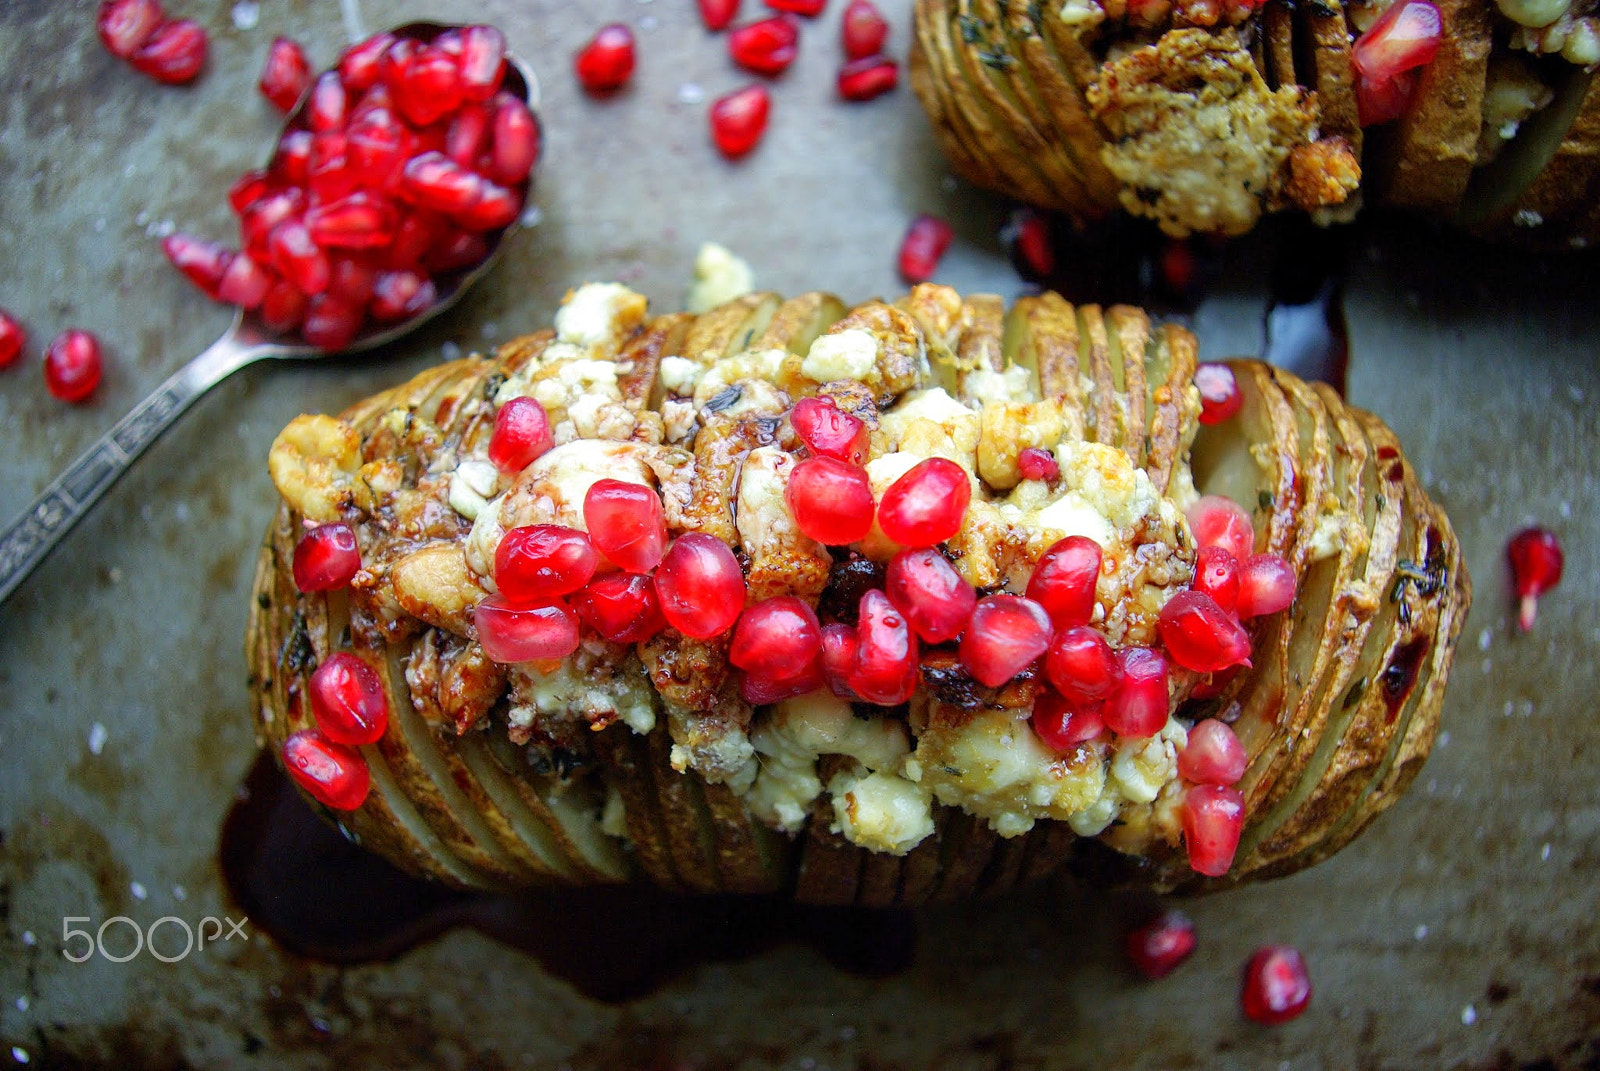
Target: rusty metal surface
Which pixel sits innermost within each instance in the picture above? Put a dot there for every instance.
(1458, 932)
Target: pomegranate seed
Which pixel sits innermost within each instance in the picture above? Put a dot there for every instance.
(1157, 948)
(72, 365)
(431, 88)
(328, 104)
(622, 607)
(839, 646)
(1266, 585)
(359, 65)
(1277, 986)
(1213, 755)
(1177, 266)
(927, 504)
(863, 30)
(330, 322)
(464, 137)
(1064, 580)
(626, 524)
(1005, 636)
(739, 119)
(1200, 635)
(326, 558)
(1222, 522)
(412, 239)
(700, 585)
(452, 251)
(606, 62)
(284, 307)
(332, 774)
(760, 691)
(329, 173)
(765, 47)
(1213, 684)
(829, 431)
(376, 146)
(394, 66)
(1028, 234)
(1379, 102)
(1139, 705)
(809, 8)
(512, 634)
(12, 338)
(716, 14)
(348, 700)
(521, 434)
(885, 670)
(1037, 464)
(124, 25)
(258, 221)
(360, 220)
(1405, 37)
(539, 563)
(1213, 817)
(285, 75)
(1062, 727)
(514, 141)
(1082, 666)
(299, 259)
(202, 261)
(249, 188)
(1216, 573)
(433, 180)
(244, 283)
(291, 163)
(776, 639)
(925, 242)
(1536, 562)
(174, 54)
(933, 596)
(1220, 397)
(868, 77)
(495, 207)
(831, 500)
(400, 295)
(482, 62)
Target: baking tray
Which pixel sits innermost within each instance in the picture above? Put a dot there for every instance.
(1458, 932)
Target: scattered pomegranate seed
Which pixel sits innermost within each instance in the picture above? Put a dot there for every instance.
(765, 47)
(809, 8)
(12, 338)
(776, 639)
(1213, 755)
(935, 598)
(1536, 562)
(72, 365)
(360, 64)
(332, 774)
(1037, 464)
(863, 30)
(622, 607)
(829, 431)
(1199, 634)
(511, 634)
(1277, 986)
(1216, 573)
(1157, 948)
(626, 524)
(482, 63)
(831, 500)
(1082, 666)
(285, 75)
(924, 244)
(717, 14)
(700, 585)
(739, 119)
(1005, 636)
(1064, 580)
(1405, 37)
(521, 434)
(348, 700)
(1220, 397)
(1062, 727)
(606, 62)
(1027, 232)
(1177, 266)
(885, 670)
(326, 558)
(1213, 817)
(124, 25)
(203, 262)
(927, 504)
(539, 563)
(1221, 522)
(1266, 585)
(839, 646)
(759, 691)
(867, 78)
(1139, 706)
(174, 54)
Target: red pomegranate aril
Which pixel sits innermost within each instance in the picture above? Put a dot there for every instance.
(760, 691)
(329, 173)
(511, 634)
(247, 189)
(626, 524)
(622, 607)
(376, 146)
(739, 119)
(1536, 564)
(809, 8)
(259, 220)
(292, 161)
(412, 239)
(72, 365)
(1028, 234)
(514, 141)
(831, 500)
(1213, 817)
(1216, 573)
(326, 558)
(348, 700)
(1220, 397)
(830, 432)
(1213, 755)
(868, 77)
(863, 30)
(928, 590)
(354, 279)
(465, 136)
(1405, 37)
(203, 262)
(360, 220)
(1061, 725)
(539, 563)
(431, 88)
(244, 283)
(767, 46)
(400, 295)
(334, 775)
(606, 62)
(839, 646)
(298, 258)
(328, 103)
(1384, 101)
(1177, 267)
(1212, 685)
(1037, 464)
(1064, 580)
(482, 63)
(1139, 705)
(717, 14)
(927, 504)
(1005, 636)
(1157, 948)
(124, 25)
(1082, 665)
(1222, 522)
(174, 54)
(495, 207)
(284, 307)
(1266, 585)
(521, 435)
(395, 64)
(1200, 635)
(776, 639)
(885, 670)
(435, 181)
(12, 338)
(1277, 986)
(700, 585)
(923, 246)
(359, 65)
(330, 322)
(285, 75)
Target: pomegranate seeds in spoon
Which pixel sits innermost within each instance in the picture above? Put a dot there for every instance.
(1536, 561)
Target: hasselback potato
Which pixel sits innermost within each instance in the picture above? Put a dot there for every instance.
(650, 755)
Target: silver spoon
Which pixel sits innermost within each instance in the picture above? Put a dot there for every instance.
(26, 540)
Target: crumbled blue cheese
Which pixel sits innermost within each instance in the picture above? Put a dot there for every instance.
(752, 367)
(625, 693)
(471, 486)
(599, 315)
(881, 812)
(1141, 767)
(848, 354)
(984, 385)
(719, 277)
(678, 375)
